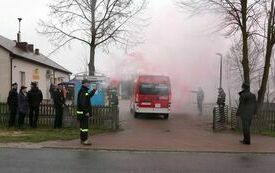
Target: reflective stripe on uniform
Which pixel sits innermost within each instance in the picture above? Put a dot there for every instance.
(80, 112)
(84, 130)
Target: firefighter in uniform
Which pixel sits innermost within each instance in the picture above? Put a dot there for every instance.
(84, 110)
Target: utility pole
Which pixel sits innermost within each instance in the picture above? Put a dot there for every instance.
(219, 54)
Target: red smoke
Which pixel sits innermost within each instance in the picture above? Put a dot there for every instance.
(178, 47)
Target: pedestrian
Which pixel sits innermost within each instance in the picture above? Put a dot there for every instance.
(59, 103)
(23, 106)
(52, 89)
(247, 108)
(200, 98)
(84, 110)
(35, 98)
(221, 105)
(13, 104)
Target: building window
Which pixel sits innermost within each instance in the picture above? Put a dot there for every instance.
(60, 79)
(22, 78)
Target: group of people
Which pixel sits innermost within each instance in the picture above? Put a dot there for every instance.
(24, 102)
(29, 101)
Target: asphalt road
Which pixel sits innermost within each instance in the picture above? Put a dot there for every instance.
(87, 161)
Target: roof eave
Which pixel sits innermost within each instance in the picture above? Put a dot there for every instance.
(36, 62)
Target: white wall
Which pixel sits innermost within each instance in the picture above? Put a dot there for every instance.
(59, 74)
(5, 76)
(29, 69)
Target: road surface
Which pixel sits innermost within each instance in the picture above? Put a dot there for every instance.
(87, 161)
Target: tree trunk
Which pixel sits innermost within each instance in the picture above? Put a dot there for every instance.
(245, 60)
(262, 91)
(269, 47)
(93, 38)
(92, 61)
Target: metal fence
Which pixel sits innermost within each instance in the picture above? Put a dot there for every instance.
(264, 121)
(102, 116)
(221, 118)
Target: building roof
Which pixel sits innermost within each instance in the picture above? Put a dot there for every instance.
(11, 47)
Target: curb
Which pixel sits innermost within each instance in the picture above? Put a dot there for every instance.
(136, 150)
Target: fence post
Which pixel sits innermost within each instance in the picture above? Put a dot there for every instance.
(214, 118)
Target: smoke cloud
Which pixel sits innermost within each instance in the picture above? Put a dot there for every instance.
(181, 47)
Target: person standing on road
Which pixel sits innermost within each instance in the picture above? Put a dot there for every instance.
(200, 98)
(84, 110)
(23, 106)
(247, 108)
(35, 98)
(13, 104)
(59, 103)
(221, 104)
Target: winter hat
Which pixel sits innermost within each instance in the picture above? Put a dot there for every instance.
(85, 81)
(245, 86)
(23, 87)
(34, 84)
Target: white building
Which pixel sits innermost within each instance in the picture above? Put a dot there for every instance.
(20, 63)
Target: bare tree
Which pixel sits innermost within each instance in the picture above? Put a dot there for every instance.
(270, 41)
(234, 69)
(238, 16)
(92, 22)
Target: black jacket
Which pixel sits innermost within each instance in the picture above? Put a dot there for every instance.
(13, 98)
(247, 105)
(58, 98)
(23, 104)
(35, 97)
(84, 100)
(221, 98)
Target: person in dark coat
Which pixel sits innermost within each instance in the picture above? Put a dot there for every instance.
(23, 106)
(59, 102)
(246, 110)
(51, 90)
(35, 98)
(84, 110)
(13, 104)
(221, 104)
(200, 98)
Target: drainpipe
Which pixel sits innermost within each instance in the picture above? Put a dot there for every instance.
(54, 76)
(11, 59)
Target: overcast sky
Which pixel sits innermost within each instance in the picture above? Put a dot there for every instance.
(175, 44)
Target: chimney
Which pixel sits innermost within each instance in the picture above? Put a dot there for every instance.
(19, 32)
(36, 51)
(18, 37)
(22, 45)
(30, 48)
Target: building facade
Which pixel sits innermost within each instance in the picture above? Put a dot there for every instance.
(20, 63)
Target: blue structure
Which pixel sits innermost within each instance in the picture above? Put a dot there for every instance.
(99, 98)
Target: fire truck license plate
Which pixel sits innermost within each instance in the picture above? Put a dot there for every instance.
(157, 105)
